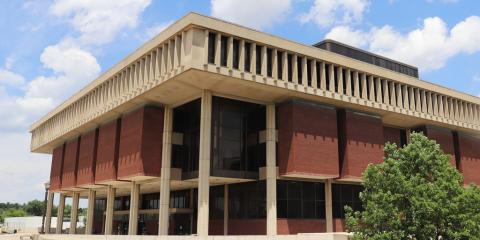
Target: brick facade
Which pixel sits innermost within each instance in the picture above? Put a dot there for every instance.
(307, 140)
(107, 152)
(140, 151)
(296, 226)
(469, 148)
(362, 143)
(87, 158)
(56, 168)
(247, 227)
(393, 135)
(70, 161)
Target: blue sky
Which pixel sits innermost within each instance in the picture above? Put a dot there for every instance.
(50, 49)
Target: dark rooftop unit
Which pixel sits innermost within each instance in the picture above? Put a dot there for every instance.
(368, 57)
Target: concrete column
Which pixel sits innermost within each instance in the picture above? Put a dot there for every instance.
(204, 163)
(74, 213)
(225, 210)
(271, 172)
(90, 211)
(328, 205)
(165, 172)
(408, 133)
(61, 207)
(109, 210)
(48, 214)
(133, 217)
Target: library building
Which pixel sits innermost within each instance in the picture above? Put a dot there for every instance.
(212, 128)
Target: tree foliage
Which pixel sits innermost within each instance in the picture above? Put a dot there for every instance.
(32, 208)
(415, 194)
(35, 208)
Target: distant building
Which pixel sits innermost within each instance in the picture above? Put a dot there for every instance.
(212, 128)
(33, 224)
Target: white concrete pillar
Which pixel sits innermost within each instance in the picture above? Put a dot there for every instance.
(165, 172)
(271, 172)
(48, 214)
(225, 210)
(133, 216)
(74, 213)
(328, 205)
(204, 164)
(90, 211)
(61, 207)
(109, 210)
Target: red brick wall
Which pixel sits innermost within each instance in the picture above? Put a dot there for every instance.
(151, 227)
(392, 135)
(362, 143)
(140, 149)
(339, 225)
(86, 159)
(247, 227)
(307, 140)
(69, 172)
(215, 227)
(107, 152)
(56, 169)
(295, 226)
(470, 158)
(445, 139)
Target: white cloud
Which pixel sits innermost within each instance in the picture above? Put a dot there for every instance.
(99, 21)
(69, 66)
(72, 68)
(12, 79)
(22, 172)
(156, 29)
(327, 13)
(257, 14)
(429, 47)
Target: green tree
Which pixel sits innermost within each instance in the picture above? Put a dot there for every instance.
(415, 194)
(35, 208)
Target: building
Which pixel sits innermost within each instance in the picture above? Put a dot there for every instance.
(210, 115)
(33, 224)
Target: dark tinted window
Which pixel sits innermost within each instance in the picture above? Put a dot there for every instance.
(297, 199)
(235, 135)
(345, 195)
(211, 47)
(186, 120)
(247, 200)
(216, 202)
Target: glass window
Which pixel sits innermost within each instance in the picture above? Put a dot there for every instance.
(247, 200)
(186, 120)
(297, 199)
(235, 130)
(150, 201)
(216, 202)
